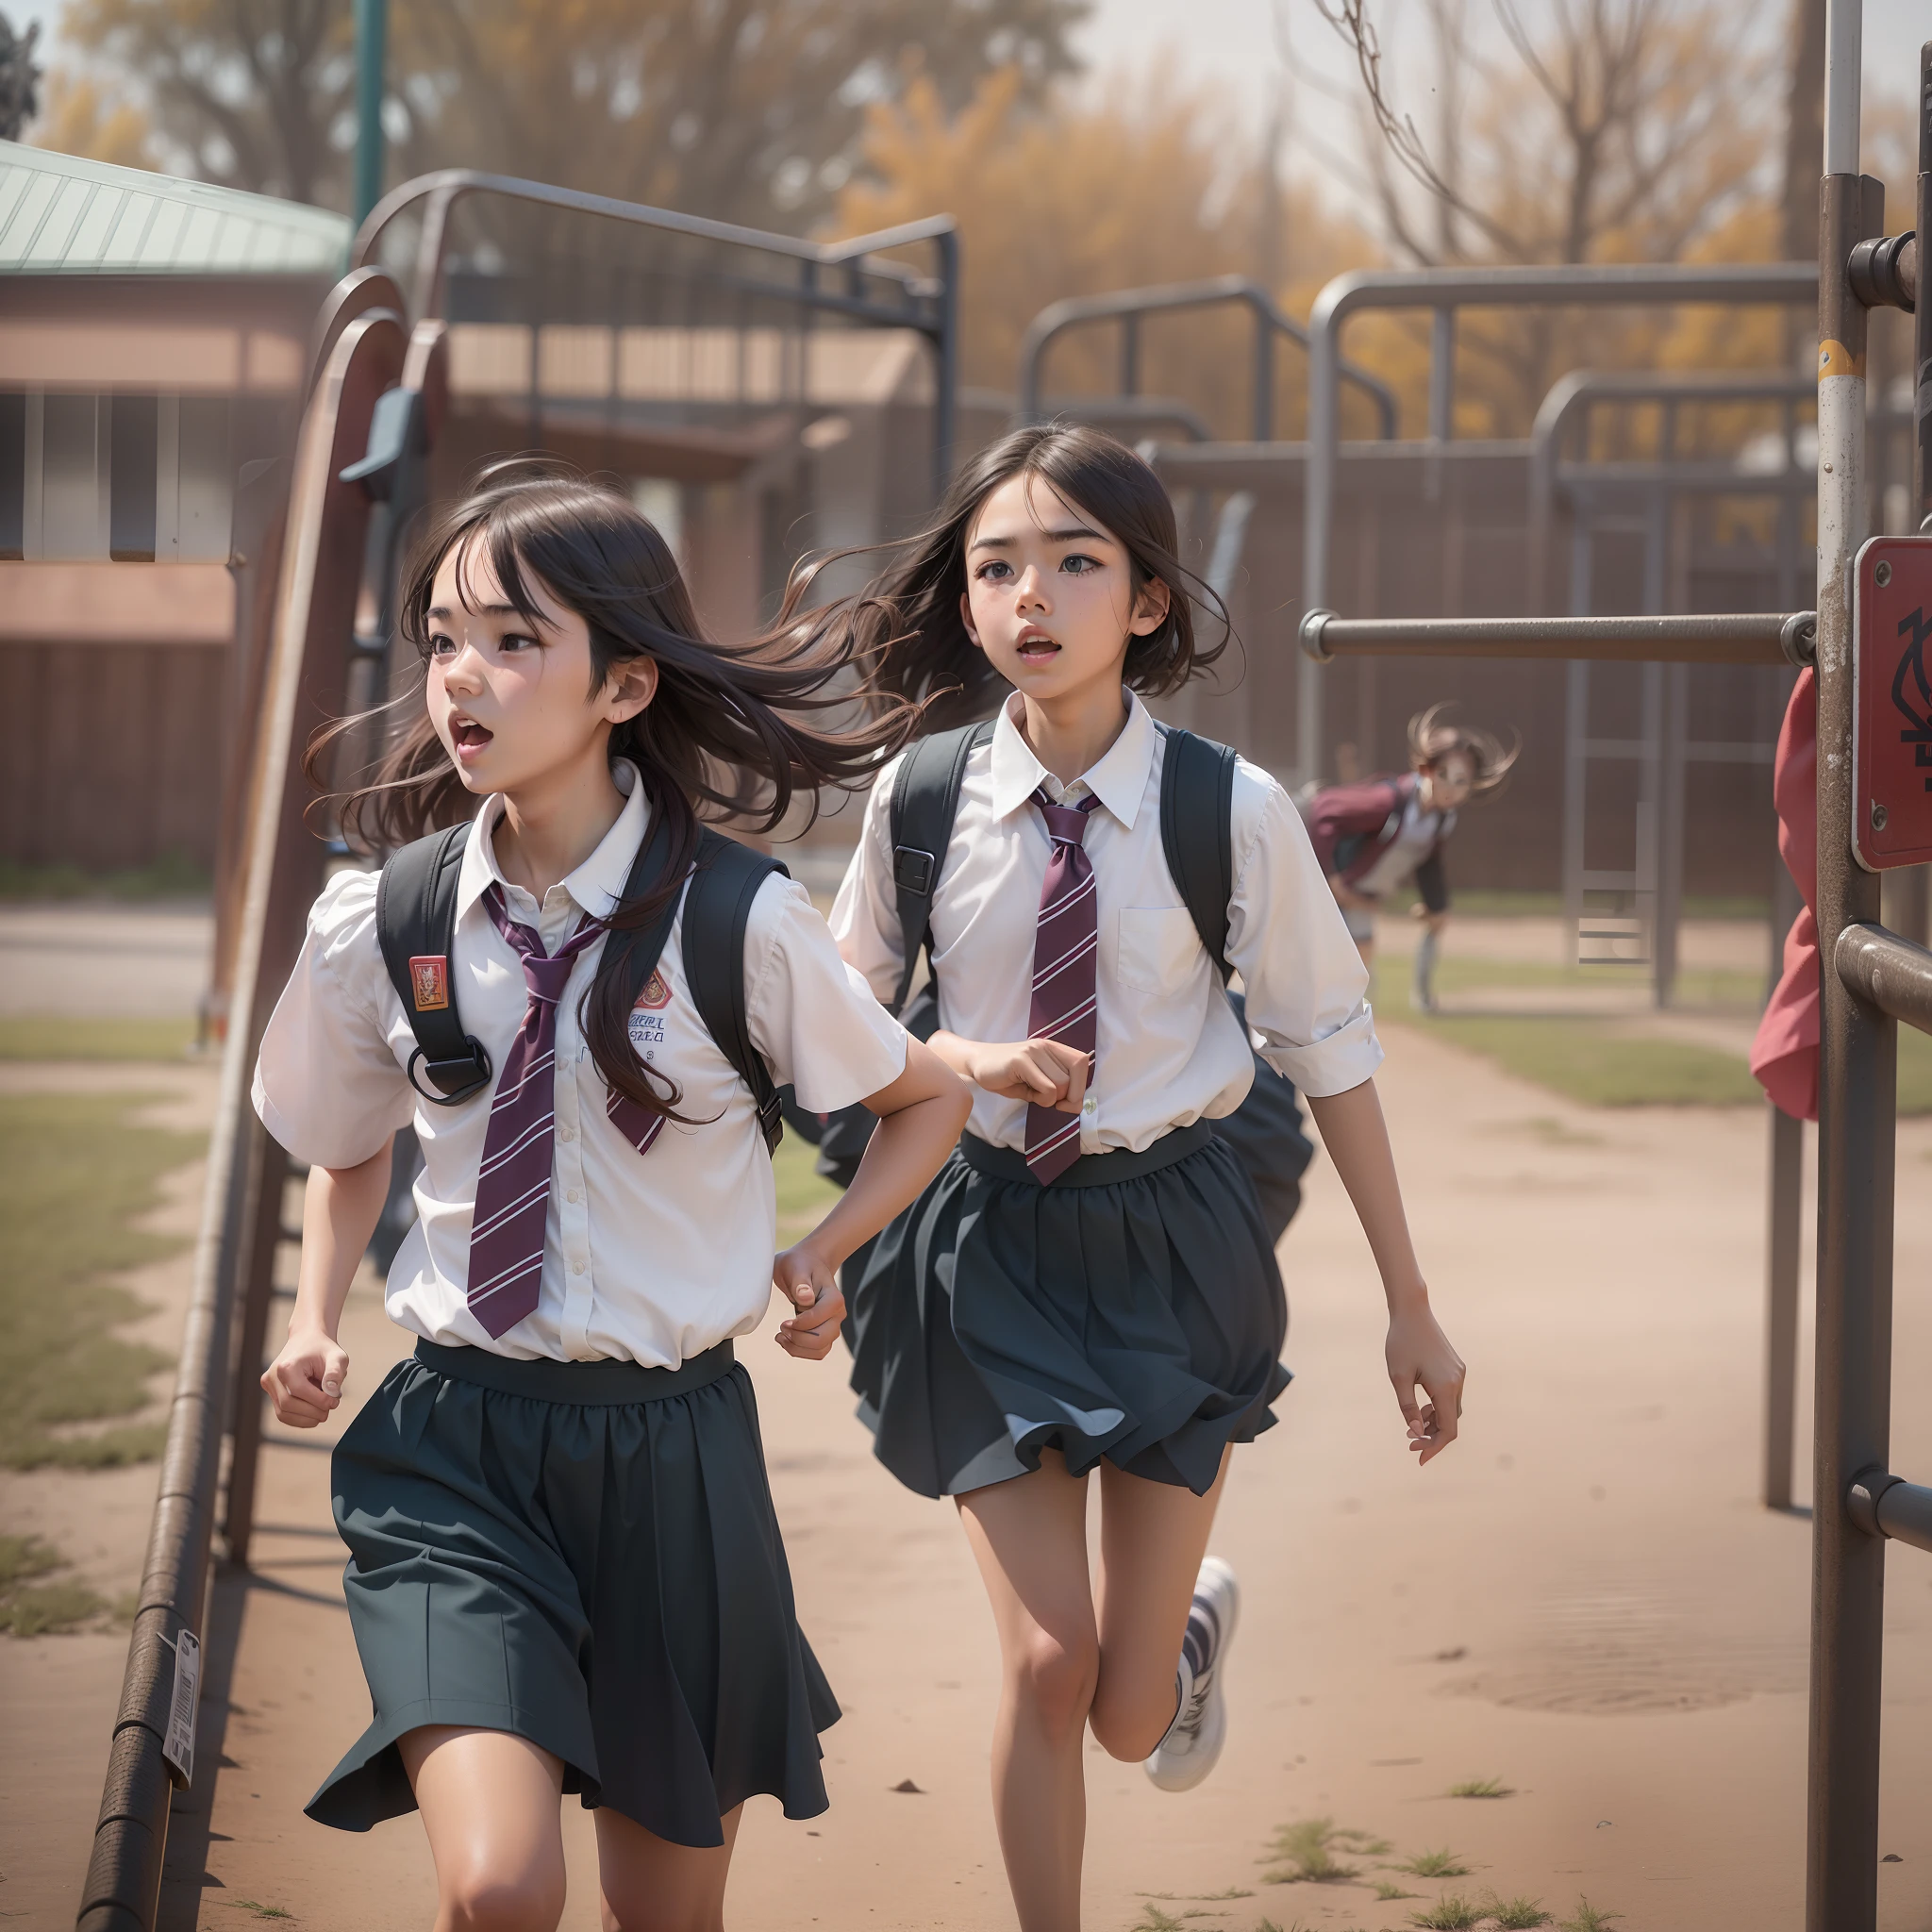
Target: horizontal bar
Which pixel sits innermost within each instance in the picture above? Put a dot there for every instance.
(1750, 638)
(1886, 971)
(1884, 1505)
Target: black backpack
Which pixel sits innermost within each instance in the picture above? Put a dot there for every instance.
(1196, 799)
(416, 917)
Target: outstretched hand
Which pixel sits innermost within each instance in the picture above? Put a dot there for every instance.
(1419, 1354)
(810, 1284)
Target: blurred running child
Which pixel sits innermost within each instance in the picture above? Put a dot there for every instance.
(1087, 1286)
(565, 1574)
(1375, 837)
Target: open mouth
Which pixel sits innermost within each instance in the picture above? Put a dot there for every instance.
(1036, 648)
(468, 735)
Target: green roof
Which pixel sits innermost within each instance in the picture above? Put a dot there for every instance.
(62, 215)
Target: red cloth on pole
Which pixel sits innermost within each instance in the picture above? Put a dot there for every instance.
(1784, 1057)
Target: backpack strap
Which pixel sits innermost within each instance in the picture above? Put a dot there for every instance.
(1196, 833)
(926, 800)
(631, 953)
(415, 921)
(717, 905)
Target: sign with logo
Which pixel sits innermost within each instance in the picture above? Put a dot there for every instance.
(1891, 682)
(429, 981)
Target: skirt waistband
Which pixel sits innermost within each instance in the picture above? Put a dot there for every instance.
(1091, 1169)
(605, 1384)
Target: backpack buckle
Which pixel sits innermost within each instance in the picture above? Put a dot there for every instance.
(456, 1081)
(771, 1120)
(914, 870)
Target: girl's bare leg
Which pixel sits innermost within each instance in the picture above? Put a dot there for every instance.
(1152, 1539)
(1029, 1536)
(650, 1885)
(489, 1800)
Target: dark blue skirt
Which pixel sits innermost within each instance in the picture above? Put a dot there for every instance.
(584, 1554)
(1131, 1310)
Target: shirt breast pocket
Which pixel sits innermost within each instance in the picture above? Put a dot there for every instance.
(1158, 949)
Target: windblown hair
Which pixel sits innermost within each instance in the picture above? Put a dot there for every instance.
(906, 626)
(1431, 740)
(729, 730)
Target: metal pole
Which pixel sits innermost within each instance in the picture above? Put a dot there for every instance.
(372, 60)
(946, 414)
(1858, 1073)
(1783, 1231)
(1922, 318)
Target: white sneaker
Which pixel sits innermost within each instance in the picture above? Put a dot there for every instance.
(1193, 1743)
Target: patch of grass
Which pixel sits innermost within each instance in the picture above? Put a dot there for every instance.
(1385, 1891)
(73, 1172)
(1441, 1864)
(174, 876)
(1515, 1914)
(804, 1196)
(1195, 1897)
(1596, 1065)
(255, 1910)
(1452, 1913)
(1306, 1850)
(1482, 1788)
(1153, 1919)
(103, 1038)
(30, 1608)
(1588, 1918)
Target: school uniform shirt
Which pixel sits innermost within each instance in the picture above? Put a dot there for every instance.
(1170, 1049)
(648, 1258)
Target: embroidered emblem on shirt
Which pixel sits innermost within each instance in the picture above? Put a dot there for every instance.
(655, 995)
(429, 981)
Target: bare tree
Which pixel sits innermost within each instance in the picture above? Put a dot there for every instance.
(20, 78)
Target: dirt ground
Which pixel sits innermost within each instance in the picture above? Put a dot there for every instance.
(1582, 1600)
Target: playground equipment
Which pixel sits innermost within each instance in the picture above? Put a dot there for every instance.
(1875, 613)
(376, 411)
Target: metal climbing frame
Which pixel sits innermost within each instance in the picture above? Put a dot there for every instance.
(378, 397)
(1129, 306)
(1641, 496)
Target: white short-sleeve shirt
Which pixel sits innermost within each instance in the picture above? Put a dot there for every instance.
(1170, 1049)
(648, 1258)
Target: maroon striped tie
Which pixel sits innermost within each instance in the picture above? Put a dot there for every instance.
(1064, 949)
(513, 1183)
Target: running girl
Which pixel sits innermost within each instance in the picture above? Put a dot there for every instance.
(565, 1574)
(1087, 1284)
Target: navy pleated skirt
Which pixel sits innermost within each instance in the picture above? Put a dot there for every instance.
(1131, 1310)
(584, 1554)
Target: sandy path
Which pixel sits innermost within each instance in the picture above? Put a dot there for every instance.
(1582, 1599)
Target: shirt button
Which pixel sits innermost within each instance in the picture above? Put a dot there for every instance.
(1089, 1105)
(566, 1133)
(574, 1195)
(577, 1267)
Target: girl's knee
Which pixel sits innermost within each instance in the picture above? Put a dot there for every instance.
(486, 1898)
(1129, 1722)
(1057, 1674)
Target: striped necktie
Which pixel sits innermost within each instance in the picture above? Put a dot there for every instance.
(1064, 949)
(513, 1183)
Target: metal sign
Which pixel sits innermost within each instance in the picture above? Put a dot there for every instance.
(1892, 679)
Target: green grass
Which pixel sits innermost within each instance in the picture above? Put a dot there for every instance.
(1387, 1892)
(29, 1607)
(73, 1172)
(1452, 1913)
(1515, 1914)
(1482, 1788)
(174, 876)
(804, 1196)
(1596, 1065)
(1588, 1918)
(1305, 1852)
(106, 1037)
(1438, 1864)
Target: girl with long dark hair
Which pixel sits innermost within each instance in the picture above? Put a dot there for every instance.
(565, 1574)
(1087, 1290)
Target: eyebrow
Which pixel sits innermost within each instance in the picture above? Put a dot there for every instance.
(1070, 534)
(444, 611)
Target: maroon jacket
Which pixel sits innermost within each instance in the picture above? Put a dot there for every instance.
(1351, 827)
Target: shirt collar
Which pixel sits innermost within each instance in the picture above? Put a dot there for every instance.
(596, 886)
(1118, 778)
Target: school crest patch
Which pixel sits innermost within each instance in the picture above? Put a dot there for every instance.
(430, 982)
(655, 995)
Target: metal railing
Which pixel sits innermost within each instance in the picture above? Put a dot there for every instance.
(928, 304)
(1444, 292)
(1128, 306)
